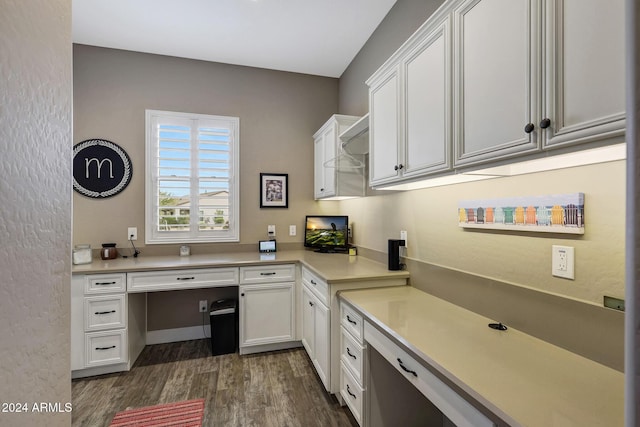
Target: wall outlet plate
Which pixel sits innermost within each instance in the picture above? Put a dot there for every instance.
(203, 307)
(132, 231)
(563, 261)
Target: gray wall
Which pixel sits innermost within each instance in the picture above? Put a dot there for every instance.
(35, 207)
(403, 19)
(279, 112)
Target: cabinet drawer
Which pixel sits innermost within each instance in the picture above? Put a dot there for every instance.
(451, 404)
(104, 283)
(268, 273)
(105, 348)
(352, 354)
(181, 279)
(351, 392)
(352, 322)
(319, 287)
(104, 312)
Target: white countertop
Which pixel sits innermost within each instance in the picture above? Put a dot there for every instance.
(333, 268)
(523, 380)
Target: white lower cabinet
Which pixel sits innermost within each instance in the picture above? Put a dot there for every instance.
(267, 307)
(316, 321)
(106, 348)
(352, 363)
(99, 332)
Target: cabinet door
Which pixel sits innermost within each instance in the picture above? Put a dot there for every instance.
(266, 314)
(427, 94)
(308, 322)
(495, 79)
(322, 359)
(384, 128)
(585, 83)
(329, 138)
(318, 168)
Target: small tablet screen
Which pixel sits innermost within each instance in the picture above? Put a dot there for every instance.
(267, 245)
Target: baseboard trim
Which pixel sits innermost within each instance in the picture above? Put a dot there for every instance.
(163, 336)
(270, 347)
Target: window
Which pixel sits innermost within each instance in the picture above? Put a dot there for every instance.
(191, 181)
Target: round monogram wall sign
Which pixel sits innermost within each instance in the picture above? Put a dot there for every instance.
(101, 168)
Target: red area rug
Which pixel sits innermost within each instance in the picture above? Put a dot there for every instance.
(184, 414)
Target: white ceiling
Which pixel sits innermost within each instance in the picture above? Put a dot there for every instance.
(318, 37)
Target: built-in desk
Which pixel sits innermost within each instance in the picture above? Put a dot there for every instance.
(510, 377)
(119, 289)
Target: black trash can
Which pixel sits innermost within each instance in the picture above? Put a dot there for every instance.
(224, 332)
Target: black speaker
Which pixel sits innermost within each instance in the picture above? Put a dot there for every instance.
(394, 254)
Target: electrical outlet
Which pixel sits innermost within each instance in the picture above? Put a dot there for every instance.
(132, 233)
(271, 230)
(403, 236)
(563, 261)
(292, 230)
(202, 308)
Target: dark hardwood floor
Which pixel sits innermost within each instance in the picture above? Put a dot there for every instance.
(268, 389)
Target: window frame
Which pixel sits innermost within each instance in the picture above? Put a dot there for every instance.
(154, 236)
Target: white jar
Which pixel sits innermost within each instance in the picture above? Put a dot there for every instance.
(82, 254)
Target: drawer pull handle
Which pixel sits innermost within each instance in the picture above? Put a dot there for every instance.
(404, 368)
(313, 282)
(349, 391)
(268, 274)
(105, 348)
(185, 278)
(105, 283)
(351, 321)
(352, 355)
(105, 312)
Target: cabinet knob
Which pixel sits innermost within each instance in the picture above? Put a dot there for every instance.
(529, 127)
(242, 294)
(545, 123)
(322, 189)
(398, 167)
(310, 303)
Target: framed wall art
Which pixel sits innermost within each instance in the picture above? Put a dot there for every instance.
(559, 213)
(101, 168)
(274, 190)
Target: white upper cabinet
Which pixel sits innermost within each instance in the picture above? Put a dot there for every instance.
(427, 100)
(585, 95)
(410, 118)
(384, 127)
(337, 174)
(495, 65)
(497, 80)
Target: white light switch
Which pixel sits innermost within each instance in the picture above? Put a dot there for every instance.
(292, 230)
(271, 230)
(562, 261)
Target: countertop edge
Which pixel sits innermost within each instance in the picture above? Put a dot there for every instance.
(375, 270)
